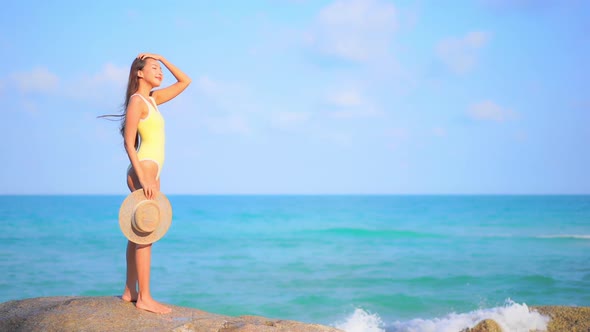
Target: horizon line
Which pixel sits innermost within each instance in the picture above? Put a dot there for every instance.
(305, 194)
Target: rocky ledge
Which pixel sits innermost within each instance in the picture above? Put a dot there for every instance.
(113, 314)
(562, 319)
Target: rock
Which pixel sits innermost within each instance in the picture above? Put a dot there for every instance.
(571, 319)
(563, 318)
(486, 325)
(113, 314)
(110, 313)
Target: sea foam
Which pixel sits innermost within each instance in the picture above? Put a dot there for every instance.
(566, 236)
(512, 317)
(361, 321)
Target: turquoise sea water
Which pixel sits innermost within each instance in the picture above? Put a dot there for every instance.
(362, 263)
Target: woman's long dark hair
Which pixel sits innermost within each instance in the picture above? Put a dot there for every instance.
(132, 86)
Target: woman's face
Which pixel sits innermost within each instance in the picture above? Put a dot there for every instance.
(152, 72)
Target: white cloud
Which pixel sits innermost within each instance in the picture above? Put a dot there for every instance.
(94, 87)
(107, 84)
(350, 103)
(354, 113)
(109, 77)
(112, 74)
(39, 79)
(528, 5)
(229, 96)
(460, 54)
(348, 98)
(487, 110)
(227, 107)
(288, 119)
(357, 30)
(229, 124)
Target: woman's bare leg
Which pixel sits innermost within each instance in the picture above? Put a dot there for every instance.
(139, 257)
(143, 256)
(130, 292)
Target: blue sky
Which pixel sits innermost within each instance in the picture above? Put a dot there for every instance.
(304, 97)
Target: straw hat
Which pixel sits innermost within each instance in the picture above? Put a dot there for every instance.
(145, 221)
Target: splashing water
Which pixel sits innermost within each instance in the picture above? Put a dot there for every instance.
(512, 317)
(361, 321)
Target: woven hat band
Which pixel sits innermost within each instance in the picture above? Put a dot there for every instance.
(146, 216)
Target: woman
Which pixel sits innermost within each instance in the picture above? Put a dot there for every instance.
(143, 127)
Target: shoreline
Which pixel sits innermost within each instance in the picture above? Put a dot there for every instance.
(74, 313)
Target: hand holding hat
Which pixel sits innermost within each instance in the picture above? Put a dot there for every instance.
(145, 221)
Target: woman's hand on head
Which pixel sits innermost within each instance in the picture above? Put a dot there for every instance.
(143, 56)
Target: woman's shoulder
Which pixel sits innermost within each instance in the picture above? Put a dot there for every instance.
(136, 96)
(136, 103)
(135, 99)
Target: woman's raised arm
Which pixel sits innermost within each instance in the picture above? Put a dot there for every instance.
(163, 95)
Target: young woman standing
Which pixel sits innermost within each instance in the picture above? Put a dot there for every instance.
(143, 132)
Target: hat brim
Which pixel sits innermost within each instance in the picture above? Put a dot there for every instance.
(126, 215)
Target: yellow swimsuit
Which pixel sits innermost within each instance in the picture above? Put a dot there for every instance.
(151, 134)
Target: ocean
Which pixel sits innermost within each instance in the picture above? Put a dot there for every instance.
(360, 263)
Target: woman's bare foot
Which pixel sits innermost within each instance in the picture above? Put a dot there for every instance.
(151, 305)
(129, 296)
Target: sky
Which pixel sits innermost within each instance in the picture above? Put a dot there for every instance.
(304, 97)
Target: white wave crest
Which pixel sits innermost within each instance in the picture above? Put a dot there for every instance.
(566, 236)
(512, 317)
(361, 321)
